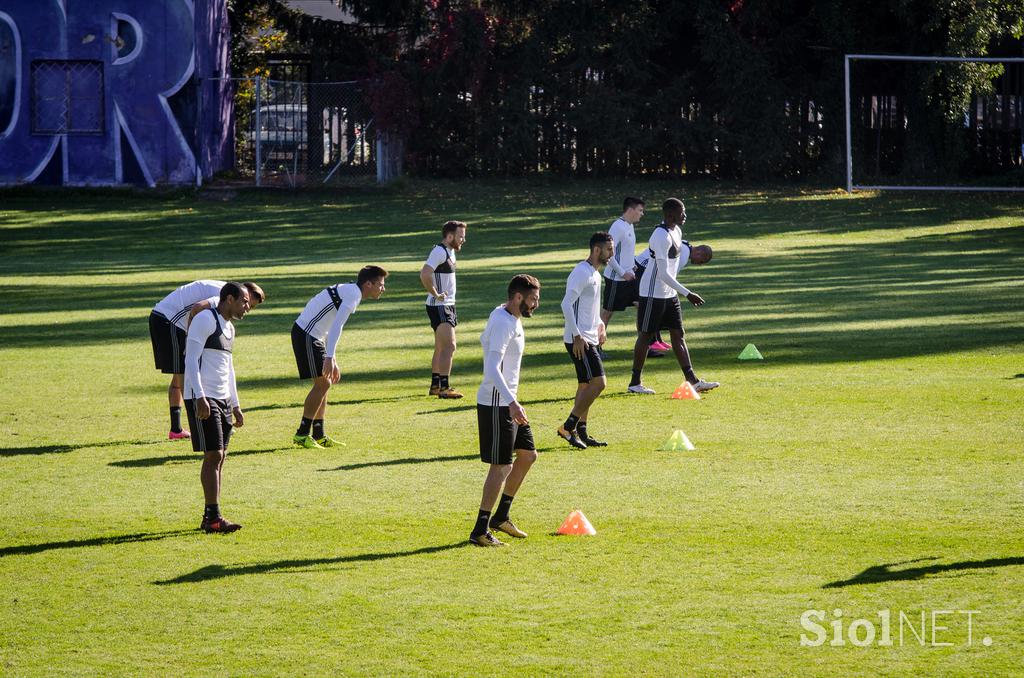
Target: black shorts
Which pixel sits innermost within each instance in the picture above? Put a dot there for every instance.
(213, 433)
(591, 365)
(442, 314)
(659, 314)
(619, 294)
(168, 344)
(309, 353)
(499, 435)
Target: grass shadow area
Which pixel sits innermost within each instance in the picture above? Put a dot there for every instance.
(879, 574)
(186, 458)
(399, 462)
(64, 449)
(26, 549)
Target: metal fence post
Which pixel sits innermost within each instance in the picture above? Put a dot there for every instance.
(259, 133)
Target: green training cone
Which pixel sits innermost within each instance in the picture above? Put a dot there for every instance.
(751, 353)
(677, 442)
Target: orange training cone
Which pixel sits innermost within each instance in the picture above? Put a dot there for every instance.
(577, 523)
(686, 391)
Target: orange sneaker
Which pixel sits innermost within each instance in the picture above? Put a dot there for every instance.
(449, 393)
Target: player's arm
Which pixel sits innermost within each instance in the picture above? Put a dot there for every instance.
(613, 263)
(492, 370)
(196, 309)
(573, 290)
(660, 250)
(236, 407)
(198, 332)
(435, 259)
(330, 369)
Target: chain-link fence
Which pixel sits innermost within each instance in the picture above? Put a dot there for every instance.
(295, 133)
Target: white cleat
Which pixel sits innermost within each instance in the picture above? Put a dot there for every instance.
(704, 386)
(640, 388)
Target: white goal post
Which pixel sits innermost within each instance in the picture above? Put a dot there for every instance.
(850, 186)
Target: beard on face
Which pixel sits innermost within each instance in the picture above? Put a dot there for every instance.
(525, 310)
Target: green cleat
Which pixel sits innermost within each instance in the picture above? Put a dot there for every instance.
(328, 441)
(305, 441)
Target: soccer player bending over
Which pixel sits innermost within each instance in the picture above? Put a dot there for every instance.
(211, 396)
(581, 307)
(315, 336)
(438, 278)
(504, 429)
(659, 301)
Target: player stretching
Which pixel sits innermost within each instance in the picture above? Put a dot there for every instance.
(583, 332)
(315, 336)
(438, 277)
(211, 394)
(501, 420)
(168, 323)
(659, 303)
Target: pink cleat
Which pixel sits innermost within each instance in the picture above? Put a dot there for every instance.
(180, 435)
(661, 346)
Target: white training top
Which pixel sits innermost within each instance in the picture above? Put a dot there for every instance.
(326, 314)
(442, 260)
(581, 304)
(176, 305)
(668, 249)
(624, 237)
(209, 370)
(503, 341)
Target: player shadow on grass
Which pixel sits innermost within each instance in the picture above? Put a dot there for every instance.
(877, 574)
(398, 462)
(64, 449)
(185, 458)
(354, 401)
(297, 565)
(26, 549)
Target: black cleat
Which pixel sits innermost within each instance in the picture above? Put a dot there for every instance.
(585, 437)
(571, 438)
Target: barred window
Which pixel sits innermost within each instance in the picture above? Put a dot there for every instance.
(67, 97)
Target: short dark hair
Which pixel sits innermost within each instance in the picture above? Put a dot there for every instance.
(522, 283)
(230, 289)
(255, 292)
(632, 202)
(672, 205)
(600, 238)
(451, 227)
(368, 273)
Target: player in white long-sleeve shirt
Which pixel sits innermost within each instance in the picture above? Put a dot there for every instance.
(659, 301)
(504, 429)
(168, 323)
(315, 336)
(211, 396)
(620, 281)
(438, 278)
(582, 335)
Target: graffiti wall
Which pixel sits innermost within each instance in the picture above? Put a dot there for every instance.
(107, 92)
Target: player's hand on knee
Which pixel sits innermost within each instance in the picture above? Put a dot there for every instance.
(695, 299)
(202, 409)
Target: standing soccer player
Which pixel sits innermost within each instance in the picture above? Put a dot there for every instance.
(501, 420)
(315, 336)
(583, 332)
(168, 324)
(659, 302)
(211, 396)
(438, 278)
(620, 286)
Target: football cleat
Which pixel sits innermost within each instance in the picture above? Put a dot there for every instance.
(179, 435)
(704, 386)
(571, 438)
(509, 528)
(328, 441)
(661, 346)
(591, 442)
(640, 388)
(305, 441)
(221, 525)
(651, 353)
(434, 390)
(449, 394)
(485, 539)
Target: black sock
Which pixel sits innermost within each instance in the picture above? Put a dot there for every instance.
(570, 423)
(318, 429)
(435, 380)
(581, 429)
(176, 419)
(304, 427)
(501, 515)
(636, 378)
(443, 382)
(212, 512)
(481, 523)
(690, 375)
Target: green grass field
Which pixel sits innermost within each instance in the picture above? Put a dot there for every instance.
(871, 462)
